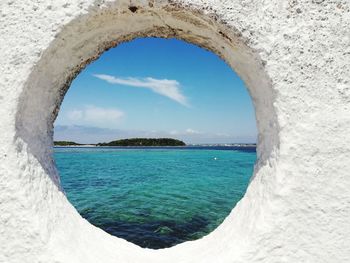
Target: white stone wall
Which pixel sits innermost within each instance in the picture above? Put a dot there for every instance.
(294, 57)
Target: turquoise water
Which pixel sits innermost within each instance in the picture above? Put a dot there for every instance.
(155, 197)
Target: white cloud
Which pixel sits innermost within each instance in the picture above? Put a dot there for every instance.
(95, 114)
(188, 131)
(191, 131)
(92, 115)
(165, 87)
(75, 115)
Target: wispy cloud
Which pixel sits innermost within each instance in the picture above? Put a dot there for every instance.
(92, 115)
(188, 131)
(165, 87)
(191, 131)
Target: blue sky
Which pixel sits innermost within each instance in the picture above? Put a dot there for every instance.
(153, 87)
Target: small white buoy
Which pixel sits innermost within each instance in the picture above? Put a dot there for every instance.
(215, 158)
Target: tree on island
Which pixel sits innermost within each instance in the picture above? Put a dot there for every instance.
(65, 143)
(144, 142)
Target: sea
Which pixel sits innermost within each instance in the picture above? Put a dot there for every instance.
(155, 197)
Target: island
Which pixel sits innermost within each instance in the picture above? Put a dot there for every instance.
(144, 142)
(65, 143)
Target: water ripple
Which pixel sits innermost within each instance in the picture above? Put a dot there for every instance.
(155, 198)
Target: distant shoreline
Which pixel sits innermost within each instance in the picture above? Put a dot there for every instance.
(149, 142)
(142, 146)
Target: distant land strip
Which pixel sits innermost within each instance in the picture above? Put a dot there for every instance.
(130, 142)
(66, 143)
(144, 142)
(152, 142)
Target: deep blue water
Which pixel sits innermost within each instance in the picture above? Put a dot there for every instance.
(155, 197)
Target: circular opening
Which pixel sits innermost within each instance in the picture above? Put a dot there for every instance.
(155, 142)
(82, 41)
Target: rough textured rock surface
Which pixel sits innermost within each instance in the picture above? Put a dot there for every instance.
(295, 59)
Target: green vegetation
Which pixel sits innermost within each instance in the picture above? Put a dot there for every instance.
(144, 142)
(65, 143)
